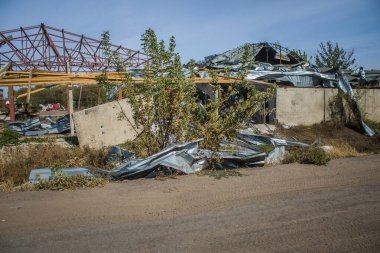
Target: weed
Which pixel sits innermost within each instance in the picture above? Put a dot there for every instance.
(34, 140)
(341, 149)
(168, 173)
(219, 174)
(61, 182)
(9, 137)
(16, 162)
(312, 155)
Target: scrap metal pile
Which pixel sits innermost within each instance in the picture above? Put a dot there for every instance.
(273, 62)
(34, 126)
(188, 158)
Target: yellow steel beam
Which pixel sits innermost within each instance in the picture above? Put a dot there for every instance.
(43, 78)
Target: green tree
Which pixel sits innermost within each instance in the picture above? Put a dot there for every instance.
(301, 54)
(330, 55)
(166, 108)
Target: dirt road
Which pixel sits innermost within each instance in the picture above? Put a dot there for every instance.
(287, 208)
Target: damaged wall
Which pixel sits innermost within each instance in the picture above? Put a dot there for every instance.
(105, 125)
(307, 106)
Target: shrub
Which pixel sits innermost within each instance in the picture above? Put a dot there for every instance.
(166, 108)
(312, 155)
(61, 182)
(16, 162)
(9, 137)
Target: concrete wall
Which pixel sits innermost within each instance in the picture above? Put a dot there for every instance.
(307, 106)
(369, 103)
(105, 125)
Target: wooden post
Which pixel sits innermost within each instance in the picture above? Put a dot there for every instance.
(11, 99)
(80, 96)
(67, 99)
(119, 93)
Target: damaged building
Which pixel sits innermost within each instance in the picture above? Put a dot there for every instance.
(304, 95)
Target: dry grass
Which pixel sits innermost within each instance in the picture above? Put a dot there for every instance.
(219, 174)
(9, 186)
(341, 149)
(312, 155)
(319, 156)
(329, 134)
(16, 162)
(61, 182)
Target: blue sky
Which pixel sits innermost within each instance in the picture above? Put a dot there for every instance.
(204, 27)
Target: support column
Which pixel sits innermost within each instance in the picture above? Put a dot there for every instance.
(68, 105)
(119, 93)
(11, 99)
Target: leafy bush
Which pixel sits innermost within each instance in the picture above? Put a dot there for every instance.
(312, 155)
(9, 137)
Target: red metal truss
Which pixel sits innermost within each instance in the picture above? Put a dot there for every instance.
(48, 48)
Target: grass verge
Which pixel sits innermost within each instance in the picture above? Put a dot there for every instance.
(312, 155)
(16, 162)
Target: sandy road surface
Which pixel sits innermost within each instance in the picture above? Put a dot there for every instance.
(287, 208)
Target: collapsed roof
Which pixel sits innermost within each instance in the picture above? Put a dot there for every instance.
(260, 52)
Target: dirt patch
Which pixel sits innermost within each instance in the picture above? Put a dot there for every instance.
(285, 208)
(330, 134)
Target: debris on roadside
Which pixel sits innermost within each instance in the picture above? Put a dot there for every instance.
(186, 157)
(33, 127)
(117, 155)
(47, 174)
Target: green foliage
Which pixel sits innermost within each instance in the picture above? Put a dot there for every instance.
(114, 62)
(313, 155)
(234, 106)
(166, 108)
(9, 137)
(301, 54)
(330, 55)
